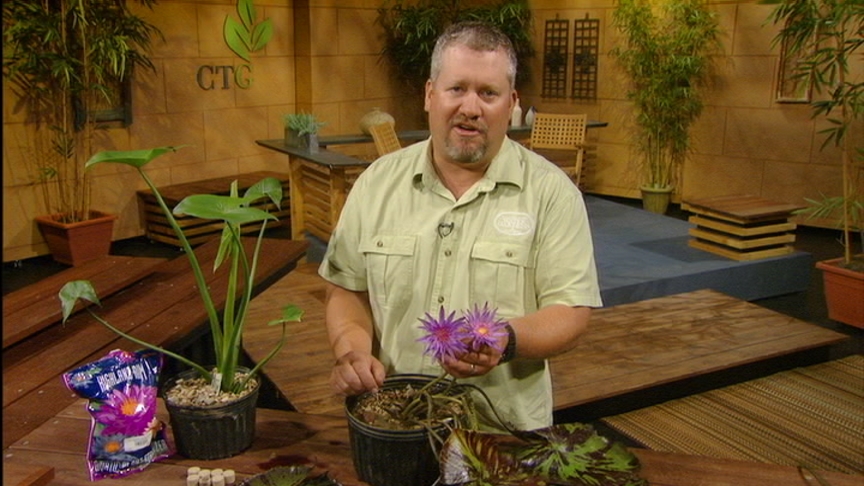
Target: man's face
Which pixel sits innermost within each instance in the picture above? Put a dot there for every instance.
(469, 105)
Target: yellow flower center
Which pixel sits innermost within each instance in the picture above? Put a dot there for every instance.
(130, 407)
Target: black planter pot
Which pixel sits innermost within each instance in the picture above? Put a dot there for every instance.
(213, 432)
(384, 457)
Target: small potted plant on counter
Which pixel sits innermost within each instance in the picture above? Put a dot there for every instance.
(301, 130)
(211, 408)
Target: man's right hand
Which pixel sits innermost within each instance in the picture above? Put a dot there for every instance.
(355, 373)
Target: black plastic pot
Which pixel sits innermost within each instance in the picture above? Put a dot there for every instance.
(384, 457)
(213, 432)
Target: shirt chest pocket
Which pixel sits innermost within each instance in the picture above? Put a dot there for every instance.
(390, 268)
(502, 274)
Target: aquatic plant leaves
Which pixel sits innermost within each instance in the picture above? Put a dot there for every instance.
(290, 476)
(565, 454)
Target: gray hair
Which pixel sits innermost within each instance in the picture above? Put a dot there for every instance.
(478, 36)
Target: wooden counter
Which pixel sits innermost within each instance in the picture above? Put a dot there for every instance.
(321, 441)
(320, 181)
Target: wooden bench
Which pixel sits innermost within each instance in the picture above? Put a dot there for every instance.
(29, 310)
(163, 308)
(198, 230)
(627, 348)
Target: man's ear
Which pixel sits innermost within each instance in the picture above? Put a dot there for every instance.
(428, 94)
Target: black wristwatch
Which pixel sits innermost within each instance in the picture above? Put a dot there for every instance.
(509, 351)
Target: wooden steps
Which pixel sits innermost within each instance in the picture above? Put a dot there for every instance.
(163, 308)
(35, 307)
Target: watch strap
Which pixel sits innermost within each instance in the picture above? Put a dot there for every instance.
(509, 350)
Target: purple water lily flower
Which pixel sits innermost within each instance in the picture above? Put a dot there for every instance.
(445, 336)
(128, 412)
(484, 328)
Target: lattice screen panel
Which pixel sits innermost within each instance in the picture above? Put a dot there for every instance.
(586, 40)
(555, 46)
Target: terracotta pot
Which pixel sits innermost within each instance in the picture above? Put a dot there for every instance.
(77, 243)
(216, 431)
(844, 292)
(656, 200)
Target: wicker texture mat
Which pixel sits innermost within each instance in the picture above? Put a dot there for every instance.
(812, 416)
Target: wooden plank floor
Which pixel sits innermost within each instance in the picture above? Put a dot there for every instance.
(162, 308)
(628, 347)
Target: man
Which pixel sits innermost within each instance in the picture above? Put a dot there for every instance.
(466, 217)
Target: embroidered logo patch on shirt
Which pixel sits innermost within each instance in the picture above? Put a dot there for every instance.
(514, 224)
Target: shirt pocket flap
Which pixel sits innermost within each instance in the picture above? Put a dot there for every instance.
(493, 251)
(402, 245)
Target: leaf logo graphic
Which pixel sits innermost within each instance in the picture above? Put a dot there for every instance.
(246, 36)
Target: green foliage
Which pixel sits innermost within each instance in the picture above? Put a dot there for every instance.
(65, 59)
(411, 28)
(667, 54)
(247, 36)
(565, 454)
(824, 35)
(303, 123)
(234, 211)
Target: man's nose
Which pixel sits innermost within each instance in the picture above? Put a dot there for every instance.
(471, 105)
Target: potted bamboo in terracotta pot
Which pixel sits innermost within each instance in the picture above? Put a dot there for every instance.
(825, 38)
(667, 54)
(212, 405)
(69, 64)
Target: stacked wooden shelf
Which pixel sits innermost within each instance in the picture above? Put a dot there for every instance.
(742, 227)
(198, 230)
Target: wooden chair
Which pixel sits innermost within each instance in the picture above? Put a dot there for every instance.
(555, 131)
(384, 135)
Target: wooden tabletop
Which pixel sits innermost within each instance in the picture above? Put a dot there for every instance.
(744, 208)
(627, 348)
(321, 441)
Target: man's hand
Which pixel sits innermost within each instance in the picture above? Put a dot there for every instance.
(355, 373)
(472, 363)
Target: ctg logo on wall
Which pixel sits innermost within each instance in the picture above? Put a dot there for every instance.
(243, 37)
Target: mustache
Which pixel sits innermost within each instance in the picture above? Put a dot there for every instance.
(465, 122)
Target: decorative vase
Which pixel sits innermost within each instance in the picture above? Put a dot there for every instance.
(79, 242)
(215, 431)
(529, 116)
(844, 292)
(656, 200)
(386, 457)
(312, 142)
(375, 117)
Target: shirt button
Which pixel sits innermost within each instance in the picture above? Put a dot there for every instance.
(509, 254)
(440, 299)
(447, 252)
(380, 244)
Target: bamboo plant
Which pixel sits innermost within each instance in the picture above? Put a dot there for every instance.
(233, 210)
(67, 60)
(667, 54)
(824, 36)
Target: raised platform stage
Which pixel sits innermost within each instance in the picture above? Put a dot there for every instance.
(642, 255)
